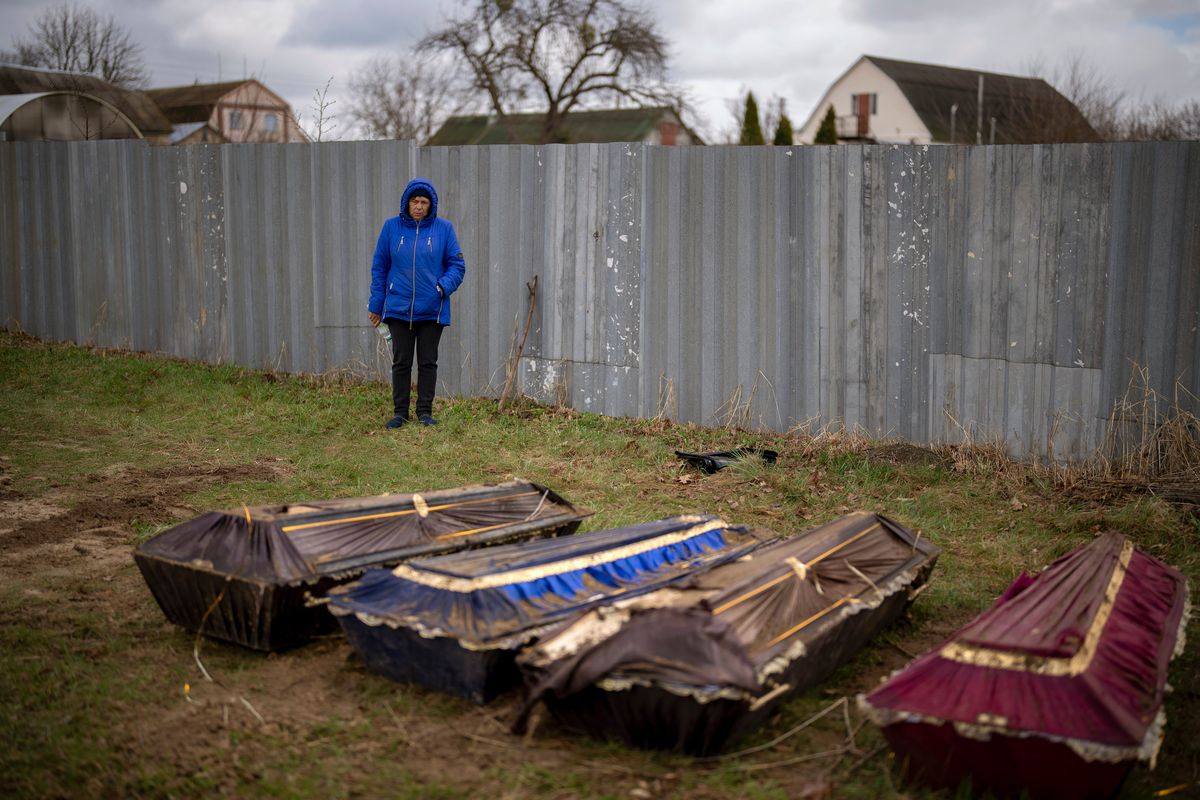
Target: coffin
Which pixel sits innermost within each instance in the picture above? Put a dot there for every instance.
(244, 576)
(1055, 691)
(454, 623)
(693, 668)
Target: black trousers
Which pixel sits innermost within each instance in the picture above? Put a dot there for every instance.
(423, 337)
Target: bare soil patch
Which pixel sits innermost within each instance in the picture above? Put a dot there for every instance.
(273, 717)
(105, 504)
(290, 706)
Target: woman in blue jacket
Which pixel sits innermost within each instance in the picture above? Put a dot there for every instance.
(417, 266)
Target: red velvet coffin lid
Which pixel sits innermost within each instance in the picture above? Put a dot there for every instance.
(1078, 653)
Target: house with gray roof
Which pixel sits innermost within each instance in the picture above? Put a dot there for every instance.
(659, 125)
(887, 100)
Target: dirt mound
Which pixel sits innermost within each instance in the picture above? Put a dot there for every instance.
(905, 454)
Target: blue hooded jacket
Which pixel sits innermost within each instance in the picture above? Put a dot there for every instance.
(412, 258)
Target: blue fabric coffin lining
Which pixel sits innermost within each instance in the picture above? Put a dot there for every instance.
(616, 573)
(487, 615)
(489, 561)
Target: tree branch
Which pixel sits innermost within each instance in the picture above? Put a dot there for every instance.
(564, 51)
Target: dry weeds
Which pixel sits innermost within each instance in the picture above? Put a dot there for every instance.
(1151, 446)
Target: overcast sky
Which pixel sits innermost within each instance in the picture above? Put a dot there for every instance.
(1146, 48)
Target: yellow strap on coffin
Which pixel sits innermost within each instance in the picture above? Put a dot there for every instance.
(418, 502)
(795, 573)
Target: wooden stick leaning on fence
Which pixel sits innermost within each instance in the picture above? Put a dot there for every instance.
(510, 377)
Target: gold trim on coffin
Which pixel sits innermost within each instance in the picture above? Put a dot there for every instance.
(418, 503)
(1041, 665)
(1146, 750)
(464, 585)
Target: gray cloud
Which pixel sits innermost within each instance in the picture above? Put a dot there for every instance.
(878, 12)
(1163, 7)
(363, 23)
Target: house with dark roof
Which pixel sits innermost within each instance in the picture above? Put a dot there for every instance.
(647, 125)
(886, 100)
(231, 111)
(47, 104)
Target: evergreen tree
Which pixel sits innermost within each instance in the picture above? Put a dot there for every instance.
(827, 133)
(783, 131)
(751, 127)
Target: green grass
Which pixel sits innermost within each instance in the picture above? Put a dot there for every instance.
(91, 676)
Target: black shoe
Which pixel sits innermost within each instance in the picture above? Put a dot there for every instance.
(396, 421)
(427, 419)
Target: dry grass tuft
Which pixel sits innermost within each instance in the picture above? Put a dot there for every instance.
(1151, 446)
(352, 376)
(979, 456)
(736, 412)
(810, 437)
(668, 406)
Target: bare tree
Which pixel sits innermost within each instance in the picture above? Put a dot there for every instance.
(1090, 90)
(736, 106)
(1113, 115)
(76, 39)
(1189, 114)
(557, 56)
(1157, 120)
(394, 98)
(322, 117)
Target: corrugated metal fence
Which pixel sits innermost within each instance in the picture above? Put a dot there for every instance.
(913, 291)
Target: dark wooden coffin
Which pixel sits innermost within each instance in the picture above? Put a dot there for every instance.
(247, 576)
(695, 667)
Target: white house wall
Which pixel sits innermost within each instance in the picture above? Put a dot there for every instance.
(895, 120)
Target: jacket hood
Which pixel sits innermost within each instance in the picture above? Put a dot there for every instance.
(418, 183)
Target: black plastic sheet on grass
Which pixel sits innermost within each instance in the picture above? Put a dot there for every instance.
(719, 460)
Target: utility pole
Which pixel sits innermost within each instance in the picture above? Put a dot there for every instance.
(979, 114)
